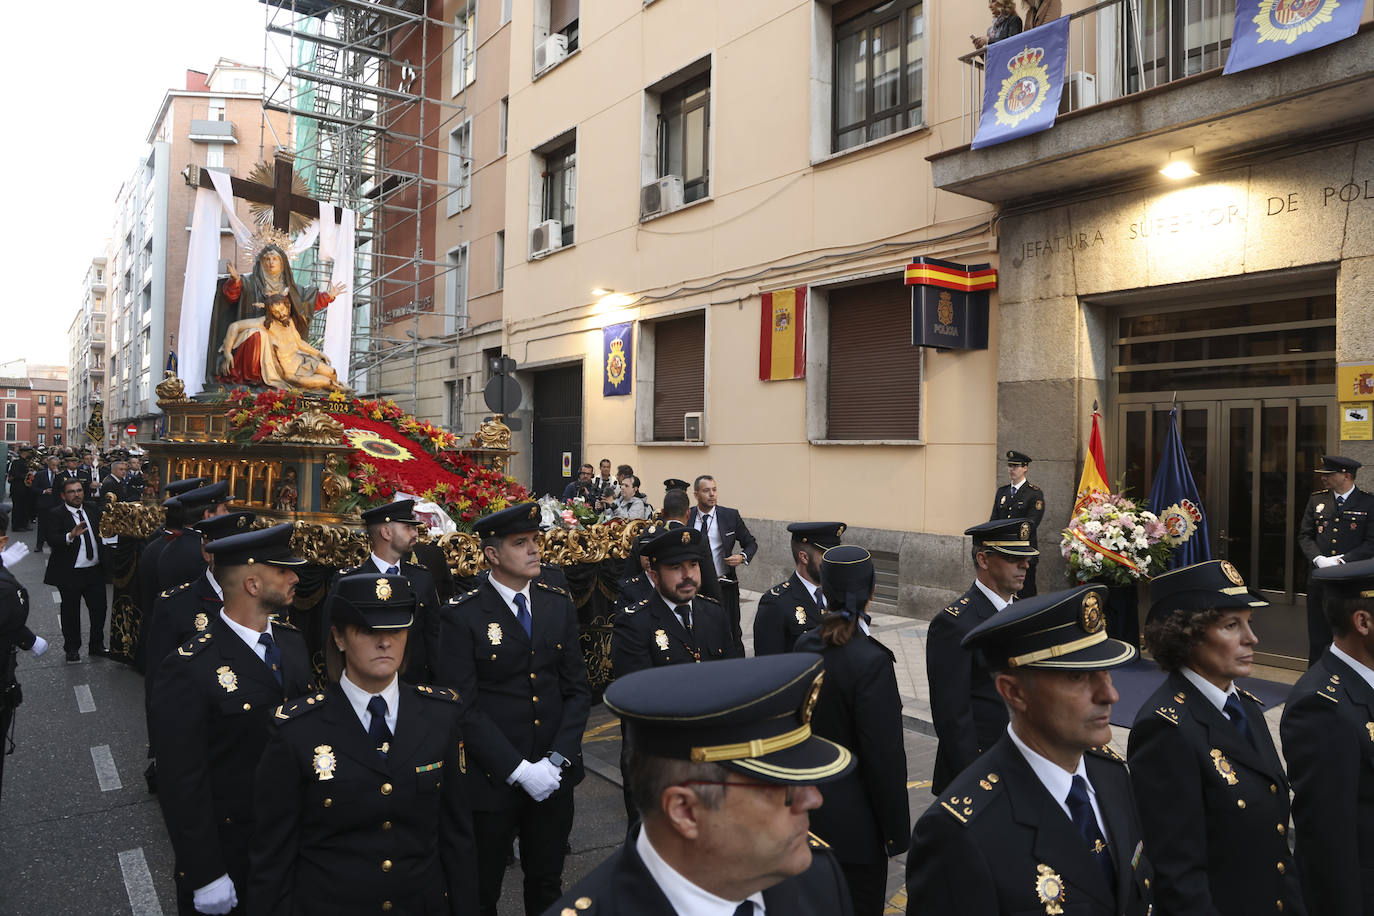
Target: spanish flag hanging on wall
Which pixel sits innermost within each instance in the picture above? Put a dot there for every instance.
(782, 340)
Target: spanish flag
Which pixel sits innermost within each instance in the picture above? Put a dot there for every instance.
(1094, 479)
(782, 340)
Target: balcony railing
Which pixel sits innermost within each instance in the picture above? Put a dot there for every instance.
(1121, 47)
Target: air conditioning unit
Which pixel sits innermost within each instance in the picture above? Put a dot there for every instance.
(546, 237)
(662, 196)
(1080, 91)
(691, 427)
(550, 51)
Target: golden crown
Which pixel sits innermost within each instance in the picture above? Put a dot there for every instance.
(266, 238)
(1029, 57)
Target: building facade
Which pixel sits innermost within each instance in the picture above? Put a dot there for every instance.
(87, 346)
(33, 407)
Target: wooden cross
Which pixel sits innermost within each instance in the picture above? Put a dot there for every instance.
(277, 195)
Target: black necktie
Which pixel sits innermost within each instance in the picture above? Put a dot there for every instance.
(1081, 810)
(820, 598)
(86, 535)
(745, 909)
(271, 655)
(377, 731)
(1340, 501)
(705, 522)
(684, 613)
(1237, 716)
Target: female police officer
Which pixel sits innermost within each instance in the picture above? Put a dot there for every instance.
(359, 798)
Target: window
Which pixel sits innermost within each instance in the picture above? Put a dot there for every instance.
(42, 422)
(874, 382)
(42, 399)
(56, 438)
(99, 275)
(559, 193)
(216, 109)
(214, 155)
(504, 114)
(465, 47)
(11, 411)
(679, 373)
(455, 389)
(505, 11)
(56, 422)
(57, 400)
(563, 20)
(456, 309)
(9, 392)
(240, 84)
(501, 259)
(460, 167)
(11, 431)
(42, 438)
(684, 128)
(879, 72)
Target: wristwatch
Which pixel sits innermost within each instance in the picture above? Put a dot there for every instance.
(559, 760)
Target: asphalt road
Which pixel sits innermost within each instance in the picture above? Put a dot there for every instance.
(80, 835)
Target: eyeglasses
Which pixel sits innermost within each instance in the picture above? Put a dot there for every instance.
(789, 794)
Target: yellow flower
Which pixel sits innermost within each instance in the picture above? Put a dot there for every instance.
(376, 414)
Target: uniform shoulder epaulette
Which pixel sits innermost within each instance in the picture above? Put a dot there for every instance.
(437, 693)
(284, 624)
(636, 577)
(964, 801)
(708, 598)
(1168, 714)
(194, 644)
(464, 597)
(350, 570)
(174, 589)
(551, 588)
(582, 906)
(1107, 752)
(952, 610)
(1031, 486)
(776, 590)
(639, 605)
(300, 706)
(1330, 688)
(815, 842)
(1247, 693)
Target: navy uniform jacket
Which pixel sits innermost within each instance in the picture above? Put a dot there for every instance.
(1328, 740)
(1220, 848)
(1327, 531)
(633, 589)
(180, 561)
(786, 611)
(342, 830)
(622, 886)
(980, 847)
(732, 531)
(423, 643)
(866, 817)
(43, 479)
(177, 615)
(112, 484)
(1028, 502)
(14, 618)
(968, 714)
(525, 696)
(210, 717)
(648, 635)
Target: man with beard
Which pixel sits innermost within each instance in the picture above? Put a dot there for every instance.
(791, 608)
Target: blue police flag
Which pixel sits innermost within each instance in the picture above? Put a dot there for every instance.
(1270, 30)
(1024, 79)
(1174, 498)
(615, 348)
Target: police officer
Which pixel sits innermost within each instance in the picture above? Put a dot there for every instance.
(360, 802)
(1211, 788)
(1044, 821)
(725, 768)
(795, 605)
(1328, 740)
(1021, 499)
(636, 586)
(20, 495)
(14, 636)
(510, 648)
(393, 531)
(181, 560)
(172, 526)
(1336, 528)
(969, 715)
(212, 706)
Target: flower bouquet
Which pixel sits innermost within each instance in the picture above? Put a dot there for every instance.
(1114, 540)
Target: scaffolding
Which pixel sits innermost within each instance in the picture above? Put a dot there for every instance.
(363, 81)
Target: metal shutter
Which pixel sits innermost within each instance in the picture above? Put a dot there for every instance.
(561, 14)
(679, 373)
(875, 373)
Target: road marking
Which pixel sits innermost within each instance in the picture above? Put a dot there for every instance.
(105, 769)
(84, 701)
(595, 734)
(56, 597)
(138, 881)
(919, 784)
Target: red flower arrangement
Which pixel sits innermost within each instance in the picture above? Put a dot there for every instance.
(393, 452)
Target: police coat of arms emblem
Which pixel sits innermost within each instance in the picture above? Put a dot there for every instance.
(1023, 91)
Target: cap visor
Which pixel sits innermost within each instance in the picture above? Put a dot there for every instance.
(389, 621)
(814, 761)
(1013, 551)
(1110, 653)
(287, 561)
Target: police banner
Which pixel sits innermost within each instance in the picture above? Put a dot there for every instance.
(615, 350)
(1270, 30)
(949, 303)
(1023, 82)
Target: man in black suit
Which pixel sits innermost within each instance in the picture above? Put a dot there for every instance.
(721, 529)
(510, 649)
(968, 714)
(1021, 499)
(20, 495)
(734, 825)
(1328, 740)
(211, 716)
(796, 605)
(114, 483)
(46, 496)
(1045, 819)
(75, 567)
(1337, 527)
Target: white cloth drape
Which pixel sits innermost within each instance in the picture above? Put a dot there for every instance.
(198, 293)
(336, 244)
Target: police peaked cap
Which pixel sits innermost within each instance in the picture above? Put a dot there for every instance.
(518, 518)
(1064, 630)
(371, 601)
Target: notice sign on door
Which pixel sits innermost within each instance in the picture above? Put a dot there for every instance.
(567, 464)
(1356, 424)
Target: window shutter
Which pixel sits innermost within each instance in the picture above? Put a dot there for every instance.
(561, 14)
(679, 373)
(874, 385)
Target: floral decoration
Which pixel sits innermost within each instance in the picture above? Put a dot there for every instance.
(1114, 540)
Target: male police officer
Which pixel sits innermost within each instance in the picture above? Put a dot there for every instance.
(181, 560)
(1336, 528)
(969, 715)
(1044, 819)
(790, 608)
(1021, 499)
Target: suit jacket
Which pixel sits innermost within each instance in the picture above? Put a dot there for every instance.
(177, 615)
(1027, 502)
(1328, 741)
(526, 695)
(325, 824)
(112, 484)
(423, 642)
(1216, 826)
(649, 635)
(1328, 530)
(969, 716)
(62, 559)
(785, 612)
(732, 531)
(622, 886)
(996, 837)
(43, 479)
(866, 817)
(210, 719)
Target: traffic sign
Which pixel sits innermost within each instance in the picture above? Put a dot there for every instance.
(131, 429)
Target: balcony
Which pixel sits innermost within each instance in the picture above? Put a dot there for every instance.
(1144, 79)
(203, 131)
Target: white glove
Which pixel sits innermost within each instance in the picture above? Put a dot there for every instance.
(217, 897)
(539, 780)
(1323, 562)
(40, 645)
(12, 554)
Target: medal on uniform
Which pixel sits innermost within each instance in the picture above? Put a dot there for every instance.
(661, 640)
(201, 623)
(1321, 506)
(1002, 501)
(494, 633)
(1224, 767)
(324, 762)
(227, 679)
(801, 615)
(1049, 887)
(1370, 726)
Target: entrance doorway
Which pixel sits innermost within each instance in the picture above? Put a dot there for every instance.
(1255, 384)
(557, 427)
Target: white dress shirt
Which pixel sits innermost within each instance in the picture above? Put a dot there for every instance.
(358, 698)
(508, 596)
(686, 898)
(1360, 669)
(250, 636)
(214, 583)
(998, 602)
(1214, 694)
(713, 538)
(84, 560)
(383, 565)
(1057, 780)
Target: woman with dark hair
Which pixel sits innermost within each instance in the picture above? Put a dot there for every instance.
(865, 818)
(1211, 790)
(359, 794)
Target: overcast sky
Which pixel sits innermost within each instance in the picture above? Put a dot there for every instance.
(82, 97)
